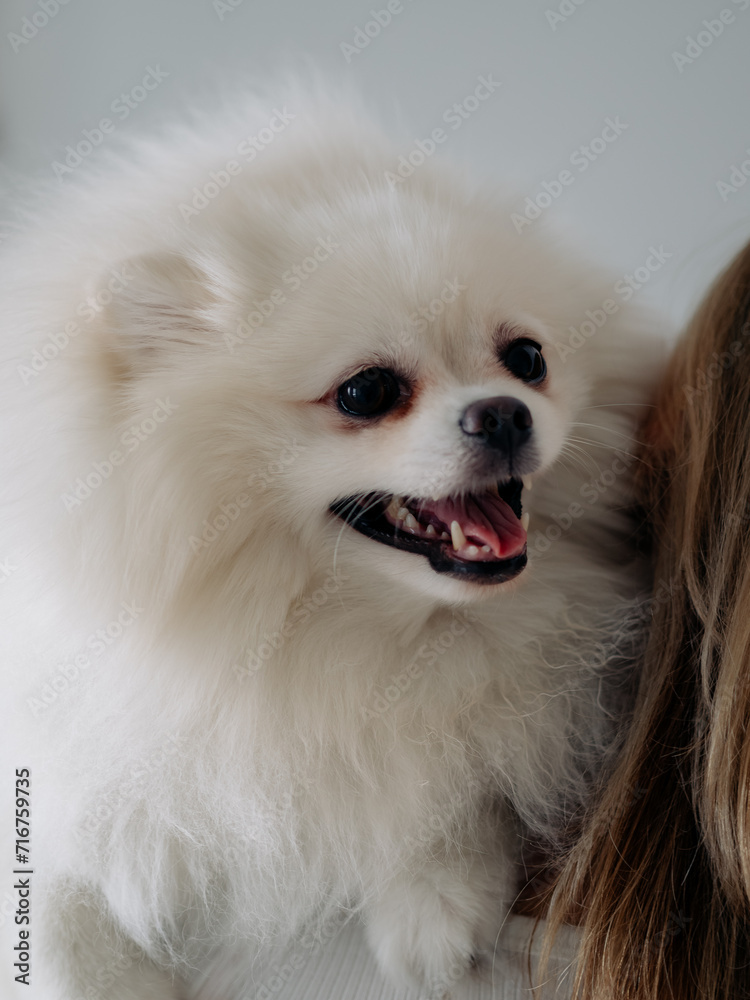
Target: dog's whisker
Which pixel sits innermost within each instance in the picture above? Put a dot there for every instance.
(586, 443)
(354, 507)
(616, 406)
(597, 427)
(579, 459)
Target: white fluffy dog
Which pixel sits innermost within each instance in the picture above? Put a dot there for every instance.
(273, 412)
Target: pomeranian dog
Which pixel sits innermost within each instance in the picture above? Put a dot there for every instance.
(292, 634)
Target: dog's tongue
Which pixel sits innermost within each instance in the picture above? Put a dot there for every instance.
(484, 520)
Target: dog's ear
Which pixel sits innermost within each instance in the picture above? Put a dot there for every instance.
(157, 307)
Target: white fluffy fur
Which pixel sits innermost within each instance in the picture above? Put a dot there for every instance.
(187, 819)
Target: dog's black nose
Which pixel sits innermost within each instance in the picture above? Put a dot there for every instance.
(501, 422)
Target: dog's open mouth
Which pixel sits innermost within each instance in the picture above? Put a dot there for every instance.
(479, 537)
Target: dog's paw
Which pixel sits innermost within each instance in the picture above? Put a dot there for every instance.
(431, 929)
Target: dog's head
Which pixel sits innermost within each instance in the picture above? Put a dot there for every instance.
(371, 364)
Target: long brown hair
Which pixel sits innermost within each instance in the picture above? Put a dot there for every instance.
(660, 879)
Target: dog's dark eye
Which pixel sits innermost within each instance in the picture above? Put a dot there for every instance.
(524, 360)
(369, 393)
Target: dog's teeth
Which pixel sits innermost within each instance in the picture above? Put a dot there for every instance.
(458, 538)
(430, 530)
(525, 520)
(486, 548)
(435, 497)
(410, 521)
(402, 513)
(526, 480)
(445, 536)
(392, 508)
(472, 550)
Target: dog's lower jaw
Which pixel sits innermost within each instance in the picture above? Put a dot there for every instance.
(409, 575)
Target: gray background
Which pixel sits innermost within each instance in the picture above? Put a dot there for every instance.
(655, 185)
